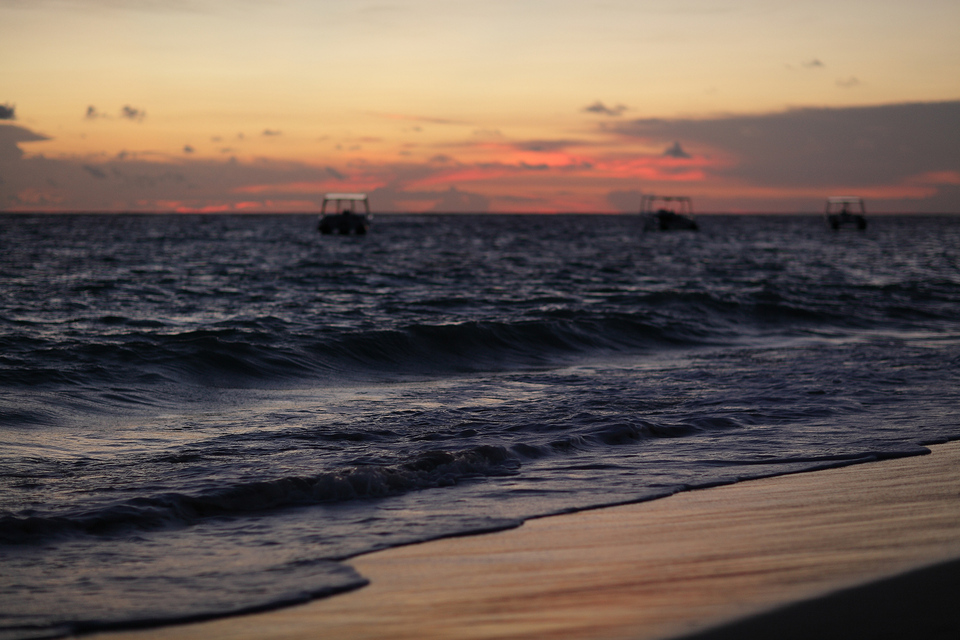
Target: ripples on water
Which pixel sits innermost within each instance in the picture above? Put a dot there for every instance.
(207, 414)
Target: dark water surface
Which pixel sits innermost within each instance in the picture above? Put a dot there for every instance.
(202, 415)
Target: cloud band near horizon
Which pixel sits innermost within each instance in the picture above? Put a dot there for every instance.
(904, 157)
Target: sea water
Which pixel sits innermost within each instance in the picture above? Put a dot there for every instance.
(205, 415)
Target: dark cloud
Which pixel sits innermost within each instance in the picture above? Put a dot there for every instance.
(96, 172)
(132, 113)
(149, 182)
(848, 83)
(126, 112)
(545, 145)
(602, 109)
(821, 147)
(188, 149)
(7, 112)
(141, 184)
(676, 151)
(336, 174)
(813, 64)
(11, 136)
(270, 132)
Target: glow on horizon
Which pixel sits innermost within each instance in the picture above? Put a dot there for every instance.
(523, 105)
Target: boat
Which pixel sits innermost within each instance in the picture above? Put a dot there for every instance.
(667, 213)
(343, 216)
(846, 211)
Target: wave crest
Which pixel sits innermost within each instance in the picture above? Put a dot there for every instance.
(424, 470)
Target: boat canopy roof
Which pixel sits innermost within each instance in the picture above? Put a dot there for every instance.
(667, 198)
(845, 206)
(344, 202)
(845, 199)
(345, 196)
(649, 201)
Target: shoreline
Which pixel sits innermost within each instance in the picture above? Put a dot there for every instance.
(690, 563)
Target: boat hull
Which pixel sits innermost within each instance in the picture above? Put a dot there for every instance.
(343, 224)
(840, 220)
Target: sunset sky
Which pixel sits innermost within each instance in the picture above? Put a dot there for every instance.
(450, 105)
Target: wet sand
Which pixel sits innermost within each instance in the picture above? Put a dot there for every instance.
(664, 569)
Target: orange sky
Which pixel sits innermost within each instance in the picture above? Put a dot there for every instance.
(449, 105)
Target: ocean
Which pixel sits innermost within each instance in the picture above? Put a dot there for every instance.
(202, 415)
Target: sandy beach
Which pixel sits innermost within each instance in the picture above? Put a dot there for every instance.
(683, 565)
